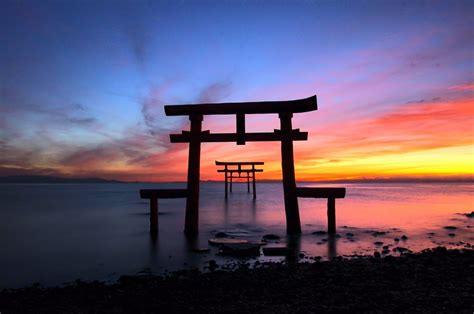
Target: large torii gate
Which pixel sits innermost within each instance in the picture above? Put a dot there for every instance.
(286, 135)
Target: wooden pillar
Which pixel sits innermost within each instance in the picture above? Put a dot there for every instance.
(253, 182)
(153, 215)
(248, 182)
(331, 215)
(293, 225)
(194, 160)
(226, 182)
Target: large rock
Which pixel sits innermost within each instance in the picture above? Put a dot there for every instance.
(240, 249)
(220, 241)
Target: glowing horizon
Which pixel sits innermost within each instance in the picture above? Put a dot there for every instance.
(395, 97)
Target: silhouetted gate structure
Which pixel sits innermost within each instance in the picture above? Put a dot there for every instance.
(238, 168)
(285, 135)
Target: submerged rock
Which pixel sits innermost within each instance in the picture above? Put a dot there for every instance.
(452, 235)
(379, 233)
(320, 232)
(349, 235)
(277, 251)
(201, 250)
(213, 264)
(450, 228)
(271, 237)
(220, 241)
(240, 249)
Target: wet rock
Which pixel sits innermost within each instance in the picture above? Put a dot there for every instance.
(401, 250)
(220, 241)
(450, 228)
(271, 237)
(320, 232)
(470, 215)
(431, 233)
(452, 235)
(404, 237)
(378, 243)
(377, 255)
(212, 264)
(396, 239)
(277, 251)
(379, 233)
(385, 251)
(240, 249)
(349, 235)
(221, 235)
(301, 255)
(201, 250)
(386, 247)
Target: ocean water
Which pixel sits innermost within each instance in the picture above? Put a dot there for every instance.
(56, 233)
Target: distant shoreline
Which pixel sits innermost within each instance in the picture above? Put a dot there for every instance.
(62, 180)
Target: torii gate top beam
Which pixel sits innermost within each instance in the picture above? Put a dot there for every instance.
(259, 107)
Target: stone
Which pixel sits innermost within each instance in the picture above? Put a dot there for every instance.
(396, 239)
(220, 241)
(240, 249)
(277, 251)
(452, 235)
(349, 235)
(201, 250)
(321, 232)
(212, 264)
(450, 228)
(379, 233)
(470, 215)
(404, 237)
(378, 243)
(271, 237)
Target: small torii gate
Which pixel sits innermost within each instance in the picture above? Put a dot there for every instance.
(285, 135)
(229, 170)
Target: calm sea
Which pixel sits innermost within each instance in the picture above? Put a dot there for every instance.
(56, 233)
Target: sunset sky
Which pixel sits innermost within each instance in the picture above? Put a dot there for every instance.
(83, 84)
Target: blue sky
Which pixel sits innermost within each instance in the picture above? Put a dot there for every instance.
(79, 76)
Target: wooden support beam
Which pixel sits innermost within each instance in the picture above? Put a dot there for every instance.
(235, 163)
(289, 106)
(206, 137)
(153, 216)
(331, 215)
(194, 161)
(226, 182)
(163, 193)
(237, 171)
(293, 225)
(240, 117)
(321, 192)
(253, 183)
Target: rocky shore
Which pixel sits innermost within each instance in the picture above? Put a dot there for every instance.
(437, 280)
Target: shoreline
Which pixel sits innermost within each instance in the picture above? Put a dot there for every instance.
(439, 280)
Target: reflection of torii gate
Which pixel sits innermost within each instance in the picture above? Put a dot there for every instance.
(286, 135)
